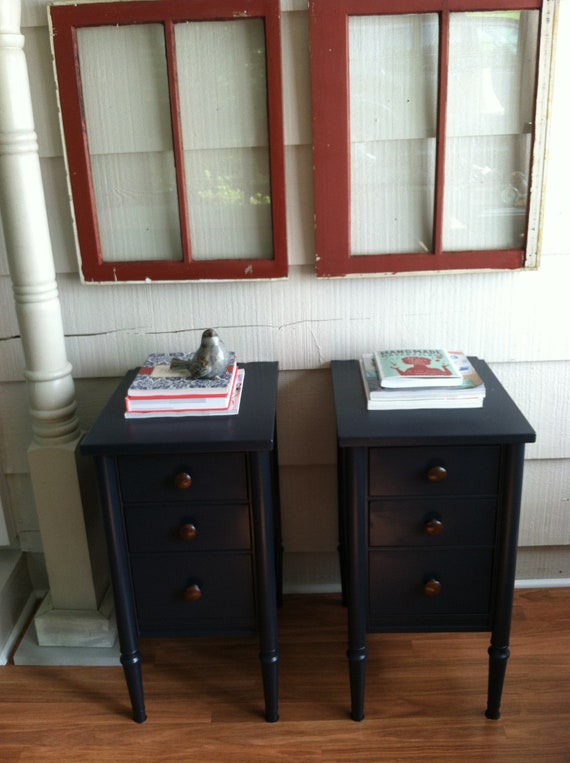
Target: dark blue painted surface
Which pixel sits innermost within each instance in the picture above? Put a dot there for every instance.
(424, 555)
(201, 557)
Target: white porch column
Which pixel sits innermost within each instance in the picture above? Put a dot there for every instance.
(71, 615)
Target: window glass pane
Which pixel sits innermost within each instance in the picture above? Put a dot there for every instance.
(491, 90)
(127, 116)
(393, 63)
(223, 105)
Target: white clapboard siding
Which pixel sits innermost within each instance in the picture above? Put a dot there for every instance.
(300, 205)
(59, 211)
(547, 563)
(296, 80)
(33, 13)
(545, 510)
(541, 392)
(302, 323)
(37, 50)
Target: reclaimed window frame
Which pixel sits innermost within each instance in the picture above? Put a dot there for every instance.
(65, 22)
(330, 79)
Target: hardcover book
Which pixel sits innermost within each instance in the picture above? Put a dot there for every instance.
(231, 410)
(370, 377)
(416, 368)
(185, 402)
(156, 379)
(469, 394)
(425, 404)
(471, 379)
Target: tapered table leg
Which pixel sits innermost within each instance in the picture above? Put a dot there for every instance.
(267, 587)
(133, 675)
(356, 576)
(498, 656)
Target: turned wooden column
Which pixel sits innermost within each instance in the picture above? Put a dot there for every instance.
(70, 616)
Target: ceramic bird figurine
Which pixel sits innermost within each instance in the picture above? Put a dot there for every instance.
(210, 359)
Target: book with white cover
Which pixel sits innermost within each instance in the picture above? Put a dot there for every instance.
(416, 368)
(470, 394)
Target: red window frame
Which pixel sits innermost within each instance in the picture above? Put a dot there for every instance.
(328, 30)
(65, 20)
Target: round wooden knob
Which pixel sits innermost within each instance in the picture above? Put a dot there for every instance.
(432, 587)
(187, 531)
(182, 481)
(437, 474)
(433, 526)
(192, 592)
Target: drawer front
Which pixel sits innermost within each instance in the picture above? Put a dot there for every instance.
(166, 598)
(467, 470)
(196, 476)
(402, 587)
(173, 527)
(434, 522)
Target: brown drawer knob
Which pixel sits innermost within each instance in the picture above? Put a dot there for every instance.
(182, 481)
(437, 474)
(433, 526)
(187, 531)
(192, 592)
(432, 587)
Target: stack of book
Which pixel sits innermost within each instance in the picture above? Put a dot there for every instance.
(414, 379)
(161, 391)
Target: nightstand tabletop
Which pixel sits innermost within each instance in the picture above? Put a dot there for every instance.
(498, 421)
(252, 429)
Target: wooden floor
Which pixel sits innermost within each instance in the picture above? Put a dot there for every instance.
(425, 698)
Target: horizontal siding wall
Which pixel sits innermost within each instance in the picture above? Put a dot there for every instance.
(516, 321)
(502, 317)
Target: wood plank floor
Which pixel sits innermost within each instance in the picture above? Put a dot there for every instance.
(425, 698)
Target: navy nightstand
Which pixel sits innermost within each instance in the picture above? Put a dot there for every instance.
(191, 510)
(429, 504)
